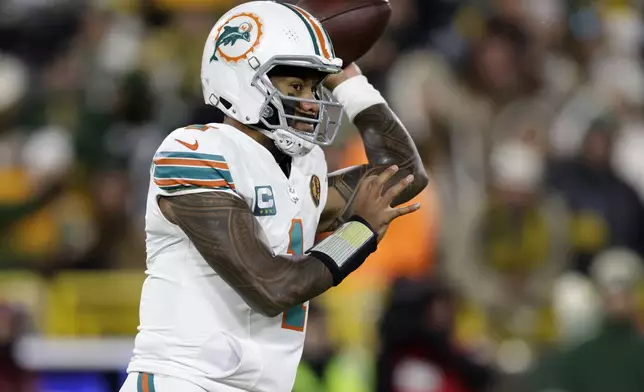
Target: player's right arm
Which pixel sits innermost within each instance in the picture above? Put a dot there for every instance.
(231, 240)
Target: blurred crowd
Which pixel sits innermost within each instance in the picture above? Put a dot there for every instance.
(522, 272)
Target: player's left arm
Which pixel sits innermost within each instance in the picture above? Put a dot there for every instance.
(386, 142)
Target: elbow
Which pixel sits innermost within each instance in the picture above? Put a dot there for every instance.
(267, 302)
(421, 179)
(420, 182)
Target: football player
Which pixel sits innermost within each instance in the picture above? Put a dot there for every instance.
(234, 208)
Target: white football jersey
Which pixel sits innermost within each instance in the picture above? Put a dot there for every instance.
(194, 326)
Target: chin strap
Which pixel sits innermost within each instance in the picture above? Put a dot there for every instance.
(288, 143)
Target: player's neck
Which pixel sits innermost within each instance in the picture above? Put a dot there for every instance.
(282, 159)
(253, 134)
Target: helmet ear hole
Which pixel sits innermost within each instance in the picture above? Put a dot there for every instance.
(226, 106)
(226, 103)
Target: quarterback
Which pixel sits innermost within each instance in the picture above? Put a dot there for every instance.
(233, 208)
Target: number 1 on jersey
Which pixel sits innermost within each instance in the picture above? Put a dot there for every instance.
(296, 238)
(295, 318)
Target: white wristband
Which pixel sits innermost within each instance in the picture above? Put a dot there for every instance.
(345, 242)
(356, 94)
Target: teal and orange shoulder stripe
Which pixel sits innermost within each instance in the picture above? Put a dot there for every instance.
(145, 383)
(321, 41)
(177, 171)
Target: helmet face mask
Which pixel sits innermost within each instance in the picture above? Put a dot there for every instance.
(249, 42)
(329, 114)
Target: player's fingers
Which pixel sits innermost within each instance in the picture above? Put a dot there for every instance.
(398, 212)
(397, 188)
(368, 183)
(385, 176)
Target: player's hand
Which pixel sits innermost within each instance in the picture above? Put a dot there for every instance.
(374, 206)
(334, 80)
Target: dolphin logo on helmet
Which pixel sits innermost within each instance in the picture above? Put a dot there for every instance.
(230, 35)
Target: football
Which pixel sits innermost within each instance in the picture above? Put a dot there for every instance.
(353, 25)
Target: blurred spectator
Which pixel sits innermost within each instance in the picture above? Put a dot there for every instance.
(606, 210)
(577, 307)
(450, 105)
(411, 25)
(505, 258)
(417, 349)
(612, 360)
(36, 165)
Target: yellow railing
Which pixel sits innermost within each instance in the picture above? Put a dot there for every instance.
(77, 303)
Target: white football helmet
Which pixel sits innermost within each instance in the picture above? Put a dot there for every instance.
(244, 45)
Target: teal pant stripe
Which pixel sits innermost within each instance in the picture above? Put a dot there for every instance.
(149, 387)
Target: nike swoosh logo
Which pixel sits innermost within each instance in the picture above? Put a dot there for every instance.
(194, 146)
